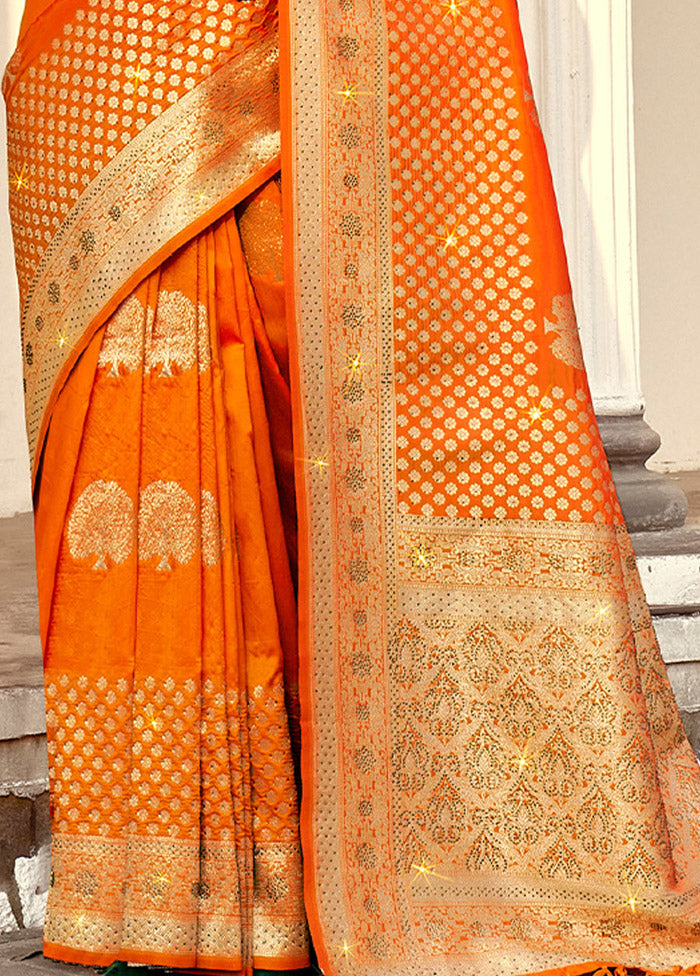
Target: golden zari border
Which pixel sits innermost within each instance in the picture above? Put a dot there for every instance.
(343, 315)
(184, 169)
(507, 553)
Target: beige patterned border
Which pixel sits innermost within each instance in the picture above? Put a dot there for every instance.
(443, 553)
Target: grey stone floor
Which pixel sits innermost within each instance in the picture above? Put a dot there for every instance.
(20, 955)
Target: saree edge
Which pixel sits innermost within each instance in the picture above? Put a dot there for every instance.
(611, 969)
(301, 478)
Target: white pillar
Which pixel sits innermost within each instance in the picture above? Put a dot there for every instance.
(580, 54)
(15, 495)
(581, 65)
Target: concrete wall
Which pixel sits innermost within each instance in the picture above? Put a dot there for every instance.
(14, 460)
(667, 86)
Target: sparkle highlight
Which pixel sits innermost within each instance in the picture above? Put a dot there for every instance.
(19, 179)
(355, 365)
(453, 9)
(524, 760)
(450, 238)
(632, 901)
(425, 871)
(345, 951)
(421, 556)
(319, 462)
(350, 93)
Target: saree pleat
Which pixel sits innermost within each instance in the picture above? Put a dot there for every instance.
(174, 816)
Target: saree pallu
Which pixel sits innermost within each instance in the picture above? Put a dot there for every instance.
(495, 779)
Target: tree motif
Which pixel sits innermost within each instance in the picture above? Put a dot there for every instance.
(566, 345)
(174, 336)
(212, 535)
(102, 524)
(180, 335)
(167, 524)
(122, 344)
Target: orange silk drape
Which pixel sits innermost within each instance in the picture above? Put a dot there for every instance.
(171, 622)
(495, 780)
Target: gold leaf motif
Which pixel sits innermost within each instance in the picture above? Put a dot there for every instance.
(167, 524)
(639, 868)
(523, 815)
(486, 854)
(179, 336)
(122, 344)
(566, 345)
(560, 862)
(102, 524)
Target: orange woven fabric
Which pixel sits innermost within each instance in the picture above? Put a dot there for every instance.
(495, 779)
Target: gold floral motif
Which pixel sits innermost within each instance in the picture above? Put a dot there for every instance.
(167, 524)
(179, 874)
(101, 523)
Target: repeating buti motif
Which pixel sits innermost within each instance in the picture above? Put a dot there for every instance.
(278, 898)
(130, 795)
(485, 429)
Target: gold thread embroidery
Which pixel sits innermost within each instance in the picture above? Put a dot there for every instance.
(566, 344)
(102, 524)
(167, 524)
(122, 345)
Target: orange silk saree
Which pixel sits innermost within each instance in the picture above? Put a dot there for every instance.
(494, 777)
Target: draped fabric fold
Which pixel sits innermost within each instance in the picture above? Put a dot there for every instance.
(382, 415)
(174, 811)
